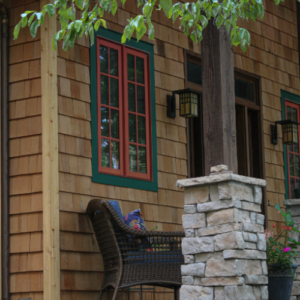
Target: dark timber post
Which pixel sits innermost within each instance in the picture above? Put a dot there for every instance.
(219, 125)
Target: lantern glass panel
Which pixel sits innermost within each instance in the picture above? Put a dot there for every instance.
(188, 102)
(290, 133)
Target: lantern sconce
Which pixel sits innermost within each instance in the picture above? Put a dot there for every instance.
(289, 132)
(188, 103)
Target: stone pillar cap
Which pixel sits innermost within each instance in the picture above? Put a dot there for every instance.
(219, 177)
(291, 202)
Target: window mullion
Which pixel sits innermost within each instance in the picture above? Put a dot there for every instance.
(247, 141)
(125, 113)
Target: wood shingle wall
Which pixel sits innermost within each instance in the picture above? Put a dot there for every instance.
(25, 163)
(274, 56)
(80, 261)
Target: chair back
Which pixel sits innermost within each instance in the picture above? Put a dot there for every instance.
(100, 214)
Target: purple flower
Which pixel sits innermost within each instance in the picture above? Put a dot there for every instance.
(286, 249)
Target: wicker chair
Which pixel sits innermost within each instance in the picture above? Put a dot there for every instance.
(133, 257)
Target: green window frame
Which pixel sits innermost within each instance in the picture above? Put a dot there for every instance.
(287, 96)
(116, 180)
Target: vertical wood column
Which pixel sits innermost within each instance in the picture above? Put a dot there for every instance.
(50, 160)
(219, 125)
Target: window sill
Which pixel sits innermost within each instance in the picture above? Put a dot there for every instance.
(125, 182)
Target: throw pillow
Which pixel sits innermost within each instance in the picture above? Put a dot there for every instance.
(135, 220)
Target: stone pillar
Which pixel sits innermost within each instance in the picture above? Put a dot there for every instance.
(224, 248)
(294, 206)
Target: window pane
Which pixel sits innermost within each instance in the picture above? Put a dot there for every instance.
(291, 147)
(105, 152)
(131, 97)
(292, 185)
(194, 73)
(244, 89)
(132, 128)
(294, 110)
(296, 148)
(141, 99)
(105, 121)
(297, 183)
(139, 70)
(297, 166)
(132, 158)
(104, 90)
(114, 62)
(291, 159)
(115, 155)
(130, 67)
(142, 130)
(104, 59)
(114, 92)
(288, 113)
(142, 160)
(114, 124)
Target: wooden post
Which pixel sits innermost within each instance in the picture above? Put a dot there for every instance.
(219, 125)
(51, 255)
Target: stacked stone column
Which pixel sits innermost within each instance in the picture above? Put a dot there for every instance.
(224, 248)
(294, 206)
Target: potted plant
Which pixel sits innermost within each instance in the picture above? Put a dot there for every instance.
(281, 251)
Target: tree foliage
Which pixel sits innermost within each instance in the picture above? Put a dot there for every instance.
(78, 17)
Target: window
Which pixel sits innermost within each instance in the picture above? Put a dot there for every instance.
(248, 126)
(194, 125)
(291, 111)
(248, 123)
(123, 135)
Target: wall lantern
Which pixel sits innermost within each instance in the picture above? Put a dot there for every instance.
(188, 103)
(289, 132)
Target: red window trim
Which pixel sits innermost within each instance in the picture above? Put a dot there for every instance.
(297, 106)
(124, 170)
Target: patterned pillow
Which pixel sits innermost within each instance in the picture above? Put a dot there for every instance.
(135, 220)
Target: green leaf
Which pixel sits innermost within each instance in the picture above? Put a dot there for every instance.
(24, 21)
(79, 3)
(193, 36)
(235, 40)
(151, 30)
(219, 20)
(203, 21)
(92, 36)
(77, 25)
(73, 37)
(54, 40)
(31, 19)
(141, 30)
(123, 39)
(71, 14)
(97, 25)
(33, 28)
(63, 3)
(66, 41)
(50, 8)
(114, 7)
(103, 22)
(17, 30)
